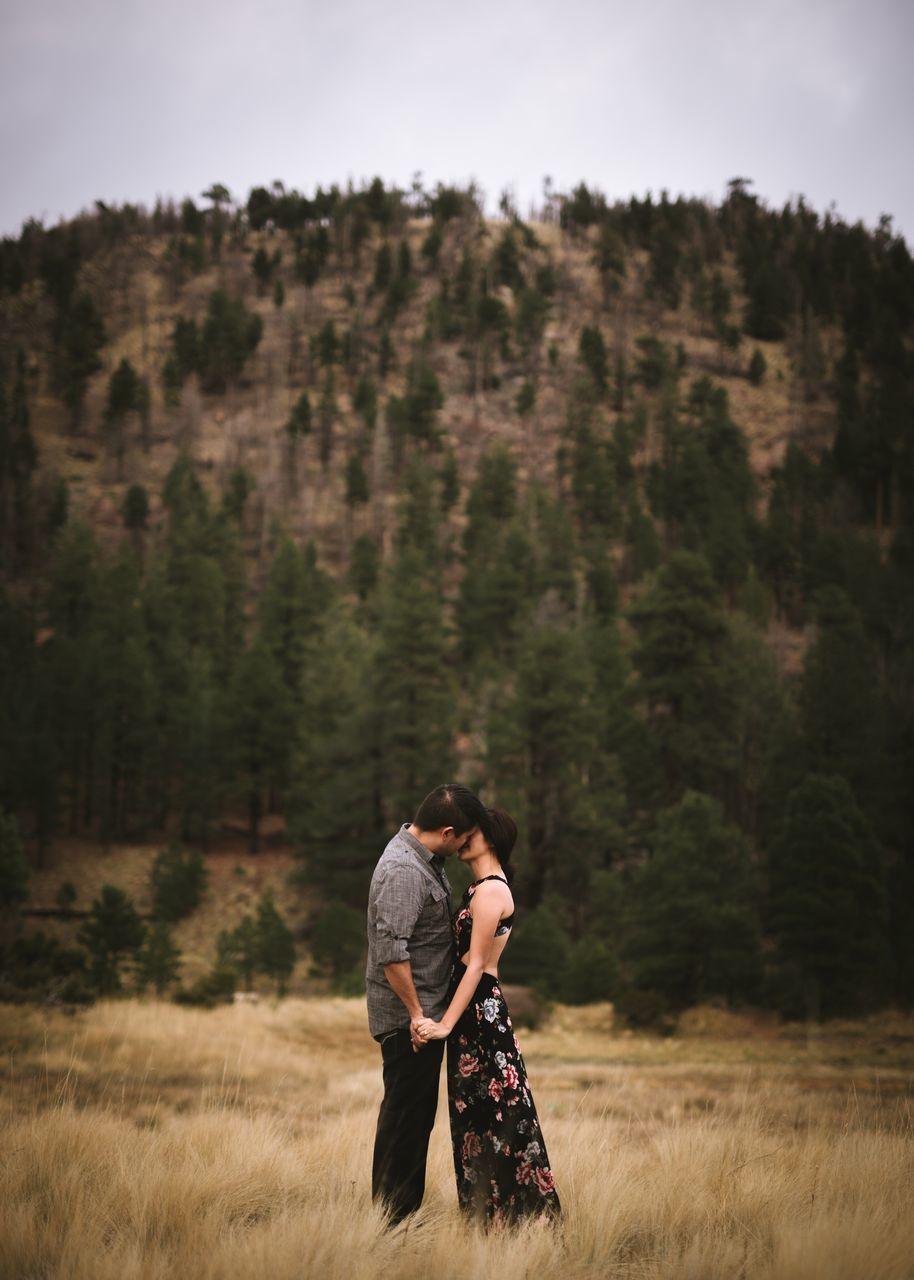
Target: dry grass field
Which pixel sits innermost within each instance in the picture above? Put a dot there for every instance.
(143, 1141)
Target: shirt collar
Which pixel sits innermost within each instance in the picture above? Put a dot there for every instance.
(434, 860)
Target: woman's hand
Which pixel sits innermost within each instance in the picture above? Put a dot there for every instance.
(428, 1029)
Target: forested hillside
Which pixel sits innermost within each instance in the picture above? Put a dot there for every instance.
(309, 503)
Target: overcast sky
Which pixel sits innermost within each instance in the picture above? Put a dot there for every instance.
(129, 99)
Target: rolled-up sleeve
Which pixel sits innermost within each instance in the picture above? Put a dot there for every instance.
(397, 899)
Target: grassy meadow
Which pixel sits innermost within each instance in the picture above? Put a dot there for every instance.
(144, 1140)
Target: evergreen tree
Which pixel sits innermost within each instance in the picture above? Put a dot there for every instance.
(261, 726)
(230, 335)
(828, 906)
(262, 266)
(365, 401)
(275, 944)
(327, 414)
(592, 353)
(414, 697)
(177, 881)
(357, 493)
(333, 815)
(113, 933)
(127, 393)
(841, 716)
(364, 566)
(498, 576)
(299, 420)
(680, 656)
(123, 696)
(18, 459)
(383, 267)
(338, 943)
(542, 746)
(694, 932)
(590, 972)
(291, 609)
(239, 949)
(758, 366)
(415, 415)
(135, 510)
(159, 960)
(449, 477)
(82, 338)
(525, 400)
(538, 951)
(14, 869)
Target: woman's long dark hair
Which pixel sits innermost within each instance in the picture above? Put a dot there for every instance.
(502, 834)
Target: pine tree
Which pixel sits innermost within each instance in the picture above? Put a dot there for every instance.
(327, 414)
(592, 353)
(333, 814)
(159, 961)
(261, 726)
(841, 715)
(135, 510)
(18, 459)
(498, 570)
(291, 609)
(364, 566)
(758, 366)
(275, 944)
(178, 882)
(78, 358)
(113, 933)
(127, 393)
(239, 948)
(681, 658)
(694, 932)
(230, 335)
(542, 741)
(123, 695)
(338, 943)
(14, 869)
(357, 493)
(828, 905)
(413, 693)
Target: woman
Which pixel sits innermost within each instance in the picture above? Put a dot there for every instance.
(500, 1158)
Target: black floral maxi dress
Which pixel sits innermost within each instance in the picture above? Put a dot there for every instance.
(499, 1154)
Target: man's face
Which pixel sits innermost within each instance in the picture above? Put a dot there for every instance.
(452, 843)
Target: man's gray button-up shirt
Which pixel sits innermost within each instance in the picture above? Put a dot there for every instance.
(409, 918)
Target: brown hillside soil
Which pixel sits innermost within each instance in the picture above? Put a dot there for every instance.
(236, 881)
(245, 426)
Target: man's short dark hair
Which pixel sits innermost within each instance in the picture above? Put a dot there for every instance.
(451, 805)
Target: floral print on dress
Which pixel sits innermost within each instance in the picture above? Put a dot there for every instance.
(500, 1156)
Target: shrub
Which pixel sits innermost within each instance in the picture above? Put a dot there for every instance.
(177, 881)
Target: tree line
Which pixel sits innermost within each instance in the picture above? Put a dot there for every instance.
(695, 823)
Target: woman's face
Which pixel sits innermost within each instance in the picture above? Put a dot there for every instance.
(476, 846)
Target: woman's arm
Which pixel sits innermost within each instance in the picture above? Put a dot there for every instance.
(486, 908)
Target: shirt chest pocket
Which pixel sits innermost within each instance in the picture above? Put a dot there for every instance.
(437, 908)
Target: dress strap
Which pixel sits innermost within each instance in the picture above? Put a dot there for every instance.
(492, 877)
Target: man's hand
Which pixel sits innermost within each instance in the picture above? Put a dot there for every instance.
(413, 1031)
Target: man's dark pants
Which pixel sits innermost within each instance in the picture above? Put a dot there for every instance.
(405, 1122)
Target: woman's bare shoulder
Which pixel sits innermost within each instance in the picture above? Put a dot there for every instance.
(494, 892)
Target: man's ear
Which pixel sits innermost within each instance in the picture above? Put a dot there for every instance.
(447, 832)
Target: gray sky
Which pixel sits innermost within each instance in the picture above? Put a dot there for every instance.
(129, 99)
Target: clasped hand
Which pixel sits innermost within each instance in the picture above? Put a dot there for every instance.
(424, 1029)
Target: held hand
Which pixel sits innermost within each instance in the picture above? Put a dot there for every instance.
(417, 1041)
(428, 1029)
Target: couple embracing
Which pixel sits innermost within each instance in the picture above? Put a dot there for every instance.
(433, 981)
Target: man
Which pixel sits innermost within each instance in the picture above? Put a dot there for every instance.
(410, 953)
